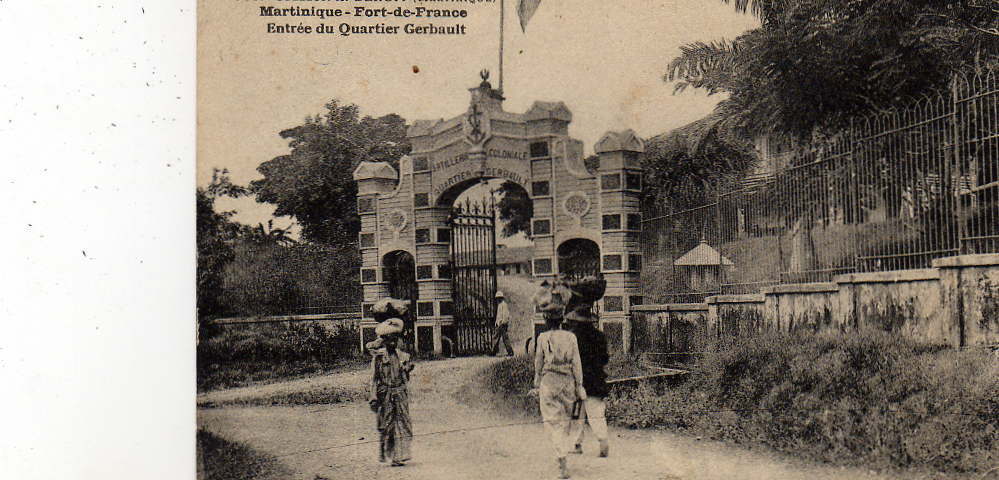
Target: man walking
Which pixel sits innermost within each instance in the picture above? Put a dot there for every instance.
(502, 327)
(593, 353)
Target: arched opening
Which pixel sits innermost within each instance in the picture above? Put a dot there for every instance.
(490, 250)
(400, 275)
(578, 258)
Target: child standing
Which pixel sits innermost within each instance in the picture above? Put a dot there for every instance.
(390, 375)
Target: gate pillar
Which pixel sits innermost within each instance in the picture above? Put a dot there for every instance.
(620, 183)
(377, 238)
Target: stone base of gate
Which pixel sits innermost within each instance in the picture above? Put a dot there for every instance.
(616, 326)
(429, 339)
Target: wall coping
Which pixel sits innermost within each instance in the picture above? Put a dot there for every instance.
(744, 298)
(817, 287)
(892, 276)
(979, 260)
(671, 307)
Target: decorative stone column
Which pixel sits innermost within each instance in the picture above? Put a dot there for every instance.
(374, 180)
(620, 183)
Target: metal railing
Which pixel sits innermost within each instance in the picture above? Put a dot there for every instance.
(891, 192)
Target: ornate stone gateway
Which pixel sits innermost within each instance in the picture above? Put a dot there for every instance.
(473, 277)
(584, 221)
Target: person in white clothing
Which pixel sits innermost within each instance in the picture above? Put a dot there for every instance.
(558, 384)
(501, 330)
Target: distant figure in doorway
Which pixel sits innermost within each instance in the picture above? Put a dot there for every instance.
(558, 383)
(501, 331)
(390, 374)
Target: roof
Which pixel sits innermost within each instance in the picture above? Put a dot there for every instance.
(617, 141)
(546, 110)
(368, 170)
(702, 255)
(514, 254)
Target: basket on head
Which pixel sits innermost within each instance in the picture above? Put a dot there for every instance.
(387, 308)
(589, 288)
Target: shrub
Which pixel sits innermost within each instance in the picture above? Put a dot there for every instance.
(506, 383)
(867, 398)
(244, 353)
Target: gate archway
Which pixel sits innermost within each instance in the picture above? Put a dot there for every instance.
(578, 258)
(410, 209)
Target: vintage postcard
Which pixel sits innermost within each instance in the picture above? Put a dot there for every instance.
(653, 239)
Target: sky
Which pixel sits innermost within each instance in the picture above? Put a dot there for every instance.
(605, 60)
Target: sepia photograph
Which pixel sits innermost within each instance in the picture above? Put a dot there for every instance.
(653, 239)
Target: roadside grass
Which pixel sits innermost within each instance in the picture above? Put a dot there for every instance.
(852, 399)
(868, 399)
(503, 385)
(322, 395)
(220, 459)
(241, 355)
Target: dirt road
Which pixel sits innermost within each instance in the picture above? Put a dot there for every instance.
(456, 441)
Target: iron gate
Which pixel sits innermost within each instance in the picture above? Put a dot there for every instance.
(473, 276)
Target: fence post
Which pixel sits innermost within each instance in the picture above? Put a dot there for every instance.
(857, 211)
(718, 234)
(954, 165)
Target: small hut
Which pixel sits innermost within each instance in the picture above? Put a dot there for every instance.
(702, 267)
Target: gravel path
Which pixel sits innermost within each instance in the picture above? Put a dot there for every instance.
(456, 441)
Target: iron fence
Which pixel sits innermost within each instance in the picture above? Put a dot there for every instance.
(891, 192)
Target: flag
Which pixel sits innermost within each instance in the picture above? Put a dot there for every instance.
(525, 10)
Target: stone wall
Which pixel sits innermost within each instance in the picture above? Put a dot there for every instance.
(955, 303)
(970, 298)
(678, 327)
(906, 301)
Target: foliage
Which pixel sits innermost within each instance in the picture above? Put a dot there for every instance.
(813, 63)
(214, 230)
(516, 208)
(684, 166)
(264, 278)
(246, 353)
(314, 183)
(864, 398)
(221, 459)
(506, 383)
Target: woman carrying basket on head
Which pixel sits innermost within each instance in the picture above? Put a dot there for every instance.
(390, 376)
(558, 383)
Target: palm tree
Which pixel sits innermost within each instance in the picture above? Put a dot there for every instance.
(271, 235)
(814, 63)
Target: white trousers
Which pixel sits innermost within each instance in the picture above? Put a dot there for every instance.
(593, 412)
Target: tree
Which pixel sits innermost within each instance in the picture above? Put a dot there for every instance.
(515, 208)
(314, 183)
(680, 165)
(214, 230)
(814, 63)
(271, 235)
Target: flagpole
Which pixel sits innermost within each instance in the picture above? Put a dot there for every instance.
(502, 12)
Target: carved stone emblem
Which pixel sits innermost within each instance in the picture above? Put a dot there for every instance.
(476, 124)
(576, 205)
(396, 220)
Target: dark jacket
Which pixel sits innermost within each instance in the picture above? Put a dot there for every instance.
(594, 357)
